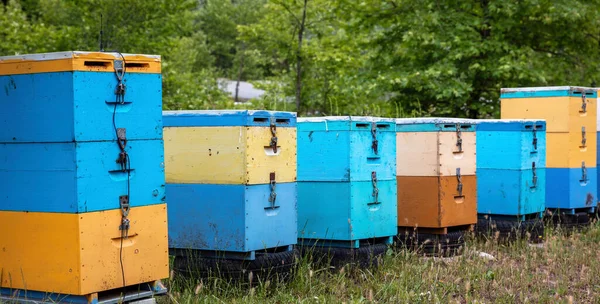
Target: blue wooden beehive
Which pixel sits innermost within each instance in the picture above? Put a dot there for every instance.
(511, 168)
(229, 189)
(346, 180)
(60, 121)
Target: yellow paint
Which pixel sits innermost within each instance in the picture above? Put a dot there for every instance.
(564, 150)
(79, 253)
(135, 64)
(562, 114)
(228, 155)
(434, 154)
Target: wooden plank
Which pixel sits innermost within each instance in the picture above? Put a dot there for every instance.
(418, 201)
(417, 153)
(450, 156)
(458, 210)
(261, 159)
(565, 150)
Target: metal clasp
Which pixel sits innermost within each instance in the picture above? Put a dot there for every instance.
(122, 142)
(273, 128)
(458, 138)
(375, 193)
(273, 185)
(583, 172)
(583, 102)
(535, 140)
(459, 187)
(120, 73)
(583, 139)
(375, 143)
(534, 180)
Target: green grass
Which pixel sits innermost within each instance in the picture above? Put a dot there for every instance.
(565, 270)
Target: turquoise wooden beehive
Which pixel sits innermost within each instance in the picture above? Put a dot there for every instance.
(346, 180)
(511, 168)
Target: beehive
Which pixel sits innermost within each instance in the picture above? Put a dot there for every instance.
(570, 114)
(231, 180)
(66, 199)
(346, 181)
(437, 186)
(511, 162)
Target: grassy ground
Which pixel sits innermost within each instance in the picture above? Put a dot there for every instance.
(566, 269)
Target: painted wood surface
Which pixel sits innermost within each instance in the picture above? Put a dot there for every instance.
(435, 153)
(229, 155)
(79, 253)
(435, 124)
(514, 149)
(570, 188)
(344, 151)
(562, 114)
(229, 118)
(79, 106)
(79, 177)
(433, 201)
(555, 91)
(78, 61)
(567, 150)
(235, 218)
(511, 192)
(346, 211)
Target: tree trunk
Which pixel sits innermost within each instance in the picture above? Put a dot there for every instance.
(240, 71)
(299, 58)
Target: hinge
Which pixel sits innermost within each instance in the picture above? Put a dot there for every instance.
(375, 143)
(459, 186)
(273, 128)
(458, 138)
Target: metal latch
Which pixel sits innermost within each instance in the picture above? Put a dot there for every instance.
(534, 180)
(583, 139)
(273, 195)
(375, 143)
(459, 187)
(375, 193)
(124, 205)
(273, 143)
(122, 141)
(458, 138)
(583, 172)
(535, 140)
(120, 73)
(583, 102)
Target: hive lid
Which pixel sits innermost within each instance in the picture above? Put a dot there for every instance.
(431, 124)
(557, 91)
(228, 118)
(346, 123)
(510, 124)
(78, 61)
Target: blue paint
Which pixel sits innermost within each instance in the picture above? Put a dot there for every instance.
(339, 150)
(234, 218)
(346, 211)
(534, 92)
(78, 177)
(510, 192)
(510, 145)
(228, 118)
(565, 189)
(78, 106)
(511, 125)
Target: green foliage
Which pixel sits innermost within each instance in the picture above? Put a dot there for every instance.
(370, 57)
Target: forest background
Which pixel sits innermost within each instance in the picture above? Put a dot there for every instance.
(393, 58)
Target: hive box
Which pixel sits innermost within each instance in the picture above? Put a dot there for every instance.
(346, 181)
(570, 114)
(70, 97)
(62, 187)
(437, 186)
(511, 174)
(79, 254)
(223, 168)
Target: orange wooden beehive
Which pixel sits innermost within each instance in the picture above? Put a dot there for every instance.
(437, 186)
